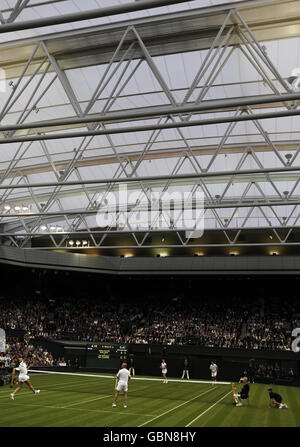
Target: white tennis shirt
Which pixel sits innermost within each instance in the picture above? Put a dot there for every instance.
(123, 375)
(22, 368)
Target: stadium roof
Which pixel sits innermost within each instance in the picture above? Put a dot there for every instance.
(187, 97)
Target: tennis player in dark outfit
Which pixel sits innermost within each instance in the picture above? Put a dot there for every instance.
(186, 369)
(276, 399)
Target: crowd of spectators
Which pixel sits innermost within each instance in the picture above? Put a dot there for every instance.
(268, 371)
(36, 355)
(271, 332)
(207, 323)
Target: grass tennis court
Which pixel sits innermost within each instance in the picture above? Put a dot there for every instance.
(76, 401)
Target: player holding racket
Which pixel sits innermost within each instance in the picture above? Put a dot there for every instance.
(23, 378)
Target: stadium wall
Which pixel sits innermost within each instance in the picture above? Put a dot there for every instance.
(188, 265)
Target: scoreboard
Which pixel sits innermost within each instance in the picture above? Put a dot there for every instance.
(105, 355)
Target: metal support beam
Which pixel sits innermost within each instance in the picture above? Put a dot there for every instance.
(204, 106)
(155, 178)
(192, 29)
(118, 232)
(257, 203)
(88, 15)
(125, 47)
(63, 80)
(18, 8)
(172, 125)
(151, 247)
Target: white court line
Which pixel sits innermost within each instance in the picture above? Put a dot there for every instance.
(79, 409)
(63, 384)
(5, 394)
(194, 420)
(175, 408)
(58, 384)
(20, 394)
(183, 381)
(86, 401)
(97, 398)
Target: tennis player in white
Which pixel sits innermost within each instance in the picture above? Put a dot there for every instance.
(164, 370)
(214, 371)
(23, 378)
(122, 377)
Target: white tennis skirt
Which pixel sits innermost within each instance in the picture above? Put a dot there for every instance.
(23, 378)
